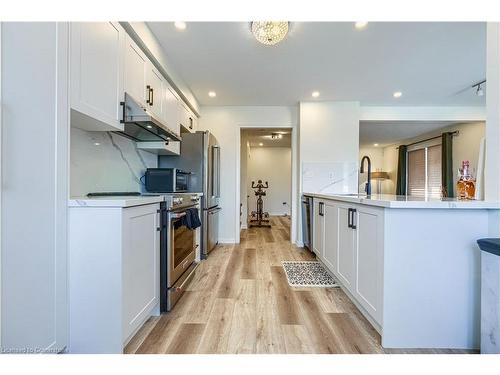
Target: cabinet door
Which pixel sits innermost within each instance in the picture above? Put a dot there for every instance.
(318, 228)
(345, 251)
(141, 265)
(184, 115)
(97, 75)
(331, 235)
(369, 259)
(172, 110)
(155, 95)
(135, 71)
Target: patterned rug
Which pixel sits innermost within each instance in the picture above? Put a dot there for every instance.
(308, 274)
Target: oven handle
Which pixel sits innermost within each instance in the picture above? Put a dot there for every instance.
(188, 279)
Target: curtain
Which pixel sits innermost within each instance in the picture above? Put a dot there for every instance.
(401, 178)
(447, 164)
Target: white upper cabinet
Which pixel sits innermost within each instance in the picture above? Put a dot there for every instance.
(106, 63)
(155, 95)
(135, 71)
(97, 59)
(171, 113)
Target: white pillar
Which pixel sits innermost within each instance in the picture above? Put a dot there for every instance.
(492, 159)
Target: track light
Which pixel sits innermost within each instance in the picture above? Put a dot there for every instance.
(479, 88)
(479, 91)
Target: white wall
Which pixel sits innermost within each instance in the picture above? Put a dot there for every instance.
(272, 164)
(329, 146)
(103, 161)
(34, 186)
(465, 147)
(244, 156)
(225, 123)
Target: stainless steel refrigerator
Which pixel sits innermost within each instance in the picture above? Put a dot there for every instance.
(200, 155)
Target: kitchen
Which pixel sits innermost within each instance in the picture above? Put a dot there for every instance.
(144, 186)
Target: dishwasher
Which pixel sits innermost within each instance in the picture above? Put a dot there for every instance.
(307, 217)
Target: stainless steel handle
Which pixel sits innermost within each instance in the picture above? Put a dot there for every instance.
(148, 100)
(188, 279)
(353, 213)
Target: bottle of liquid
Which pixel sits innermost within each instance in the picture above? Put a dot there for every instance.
(466, 185)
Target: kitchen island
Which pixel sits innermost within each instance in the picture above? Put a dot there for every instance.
(411, 265)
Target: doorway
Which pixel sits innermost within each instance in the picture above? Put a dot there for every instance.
(266, 156)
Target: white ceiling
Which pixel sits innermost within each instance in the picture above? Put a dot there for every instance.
(260, 135)
(388, 133)
(431, 63)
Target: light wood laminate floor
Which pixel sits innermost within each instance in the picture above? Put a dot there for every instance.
(240, 302)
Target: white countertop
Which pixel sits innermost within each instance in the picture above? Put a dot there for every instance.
(402, 201)
(125, 201)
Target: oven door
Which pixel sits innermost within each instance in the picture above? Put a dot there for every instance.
(181, 247)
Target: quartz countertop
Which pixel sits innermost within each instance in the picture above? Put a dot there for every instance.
(121, 201)
(402, 201)
(116, 201)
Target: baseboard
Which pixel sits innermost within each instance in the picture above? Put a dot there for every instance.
(228, 241)
(244, 226)
(299, 243)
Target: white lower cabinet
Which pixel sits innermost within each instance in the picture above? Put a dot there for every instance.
(114, 267)
(140, 266)
(368, 258)
(318, 227)
(331, 235)
(348, 239)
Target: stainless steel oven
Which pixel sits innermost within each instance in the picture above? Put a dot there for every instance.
(178, 249)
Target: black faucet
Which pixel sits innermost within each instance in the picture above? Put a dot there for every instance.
(368, 186)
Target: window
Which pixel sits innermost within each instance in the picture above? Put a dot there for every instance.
(424, 172)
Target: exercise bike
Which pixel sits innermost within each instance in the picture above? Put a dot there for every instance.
(260, 218)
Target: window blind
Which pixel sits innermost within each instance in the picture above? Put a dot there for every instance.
(416, 173)
(434, 171)
(424, 172)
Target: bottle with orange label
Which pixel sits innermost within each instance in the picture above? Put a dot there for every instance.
(466, 185)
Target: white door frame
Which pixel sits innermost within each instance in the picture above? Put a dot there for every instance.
(295, 198)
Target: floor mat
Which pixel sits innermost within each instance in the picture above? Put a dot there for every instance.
(308, 274)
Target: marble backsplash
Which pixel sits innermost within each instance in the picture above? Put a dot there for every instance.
(103, 161)
(332, 177)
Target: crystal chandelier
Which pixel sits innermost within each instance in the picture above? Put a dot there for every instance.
(269, 32)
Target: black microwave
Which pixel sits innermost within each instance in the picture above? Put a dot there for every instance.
(166, 180)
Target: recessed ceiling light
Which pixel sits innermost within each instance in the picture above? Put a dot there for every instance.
(375, 144)
(149, 127)
(261, 144)
(315, 94)
(97, 144)
(397, 94)
(212, 94)
(360, 25)
(180, 25)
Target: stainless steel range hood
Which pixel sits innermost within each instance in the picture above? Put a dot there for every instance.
(141, 125)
